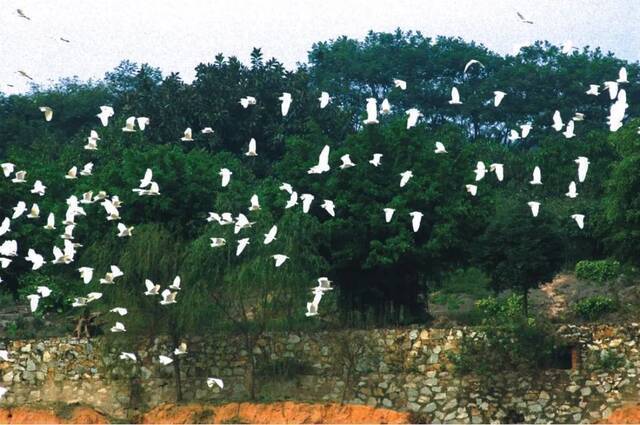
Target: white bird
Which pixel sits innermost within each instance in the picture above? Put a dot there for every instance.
(34, 212)
(5, 262)
(127, 356)
(471, 62)
(567, 47)
(280, 259)
(92, 296)
(324, 284)
(306, 198)
(181, 349)
(622, 76)
(146, 180)
(111, 210)
(416, 218)
(388, 214)
(455, 97)
(19, 209)
(72, 173)
(270, 236)
(207, 130)
(242, 243)
(251, 151)
(242, 222)
(226, 176)
(5, 226)
(124, 231)
(87, 169)
(48, 113)
(175, 285)
(36, 259)
(535, 207)
(372, 111)
(405, 176)
(152, 289)
(497, 97)
(498, 169)
(217, 242)
(578, 116)
(9, 248)
(572, 190)
(375, 161)
(20, 177)
(79, 301)
(143, 122)
(513, 135)
(86, 274)
(323, 162)
(119, 310)
(472, 189)
(130, 125)
(168, 297)
(68, 232)
(286, 103)
(293, 200)
(43, 291)
(593, 90)
(118, 327)
(579, 218)
(286, 187)
(34, 299)
(346, 162)
(247, 101)
(109, 277)
(385, 107)
(329, 207)
(412, 120)
(92, 144)
(439, 148)
(612, 87)
(583, 166)
(401, 84)
(526, 128)
(38, 188)
(324, 99)
(312, 310)
(215, 381)
(557, 121)
(187, 136)
(7, 168)
(480, 170)
(106, 112)
(255, 203)
(537, 176)
(568, 133)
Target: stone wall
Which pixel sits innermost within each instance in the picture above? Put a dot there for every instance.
(403, 369)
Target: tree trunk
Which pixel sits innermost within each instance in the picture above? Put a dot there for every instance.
(525, 302)
(176, 370)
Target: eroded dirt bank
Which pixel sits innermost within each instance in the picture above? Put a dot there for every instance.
(283, 412)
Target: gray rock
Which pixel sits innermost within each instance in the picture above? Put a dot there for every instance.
(431, 407)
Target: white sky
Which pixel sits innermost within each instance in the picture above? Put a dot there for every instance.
(176, 35)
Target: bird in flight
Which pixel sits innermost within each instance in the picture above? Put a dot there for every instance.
(523, 19)
(22, 14)
(25, 75)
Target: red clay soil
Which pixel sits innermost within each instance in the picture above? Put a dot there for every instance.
(629, 414)
(273, 413)
(26, 415)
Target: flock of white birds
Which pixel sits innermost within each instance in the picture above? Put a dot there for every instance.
(149, 187)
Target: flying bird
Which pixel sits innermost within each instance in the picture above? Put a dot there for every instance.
(572, 190)
(251, 151)
(22, 14)
(187, 136)
(375, 161)
(497, 97)
(472, 189)
(472, 62)
(242, 243)
(346, 162)
(323, 162)
(388, 214)
(414, 114)
(48, 113)
(401, 84)
(226, 176)
(372, 111)
(455, 97)
(535, 207)
(130, 125)
(286, 103)
(329, 207)
(106, 112)
(583, 166)
(324, 99)
(280, 259)
(416, 218)
(579, 219)
(537, 176)
(440, 148)
(270, 236)
(405, 176)
(522, 18)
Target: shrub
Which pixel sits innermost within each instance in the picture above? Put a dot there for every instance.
(608, 360)
(59, 300)
(470, 281)
(501, 309)
(593, 308)
(598, 270)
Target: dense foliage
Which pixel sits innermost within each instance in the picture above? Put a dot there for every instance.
(599, 270)
(382, 271)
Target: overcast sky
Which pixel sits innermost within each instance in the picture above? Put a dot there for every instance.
(177, 35)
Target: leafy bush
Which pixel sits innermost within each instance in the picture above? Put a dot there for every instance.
(593, 308)
(608, 360)
(598, 270)
(471, 281)
(501, 309)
